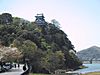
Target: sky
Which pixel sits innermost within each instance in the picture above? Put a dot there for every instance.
(79, 19)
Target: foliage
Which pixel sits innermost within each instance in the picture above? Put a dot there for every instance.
(47, 47)
(10, 54)
(56, 23)
(53, 61)
(28, 48)
(6, 18)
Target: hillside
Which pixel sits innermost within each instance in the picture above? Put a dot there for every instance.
(44, 44)
(89, 53)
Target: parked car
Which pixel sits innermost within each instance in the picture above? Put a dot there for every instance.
(5, 67)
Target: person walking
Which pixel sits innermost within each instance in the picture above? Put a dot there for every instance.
(18, 65)
(24, 67)
(15, 65)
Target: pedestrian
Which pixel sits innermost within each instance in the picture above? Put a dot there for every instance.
(18, 65)
(15, 65)
(24, 67)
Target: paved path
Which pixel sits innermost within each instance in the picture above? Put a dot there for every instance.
(13, 71)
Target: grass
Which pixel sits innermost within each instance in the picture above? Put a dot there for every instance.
(92, 73)
(39, 74)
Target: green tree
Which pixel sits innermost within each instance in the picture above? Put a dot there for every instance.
(53, 61)
(6, 18)
(56, 23)
(28, 49)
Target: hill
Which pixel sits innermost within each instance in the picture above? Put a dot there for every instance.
(89, 53)
(44, 44)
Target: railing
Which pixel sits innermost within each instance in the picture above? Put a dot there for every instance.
(63, 72)
(93, 61)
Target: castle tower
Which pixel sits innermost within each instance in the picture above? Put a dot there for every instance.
(40, 20)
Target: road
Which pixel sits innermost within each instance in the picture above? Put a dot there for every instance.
(14, 71)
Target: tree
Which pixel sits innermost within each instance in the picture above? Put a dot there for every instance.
(56, 23)
(28, 49)
(10, 54)
(31, 52)
(53, 61)
(6, 18)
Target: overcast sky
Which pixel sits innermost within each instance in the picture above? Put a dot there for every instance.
(79, 19)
